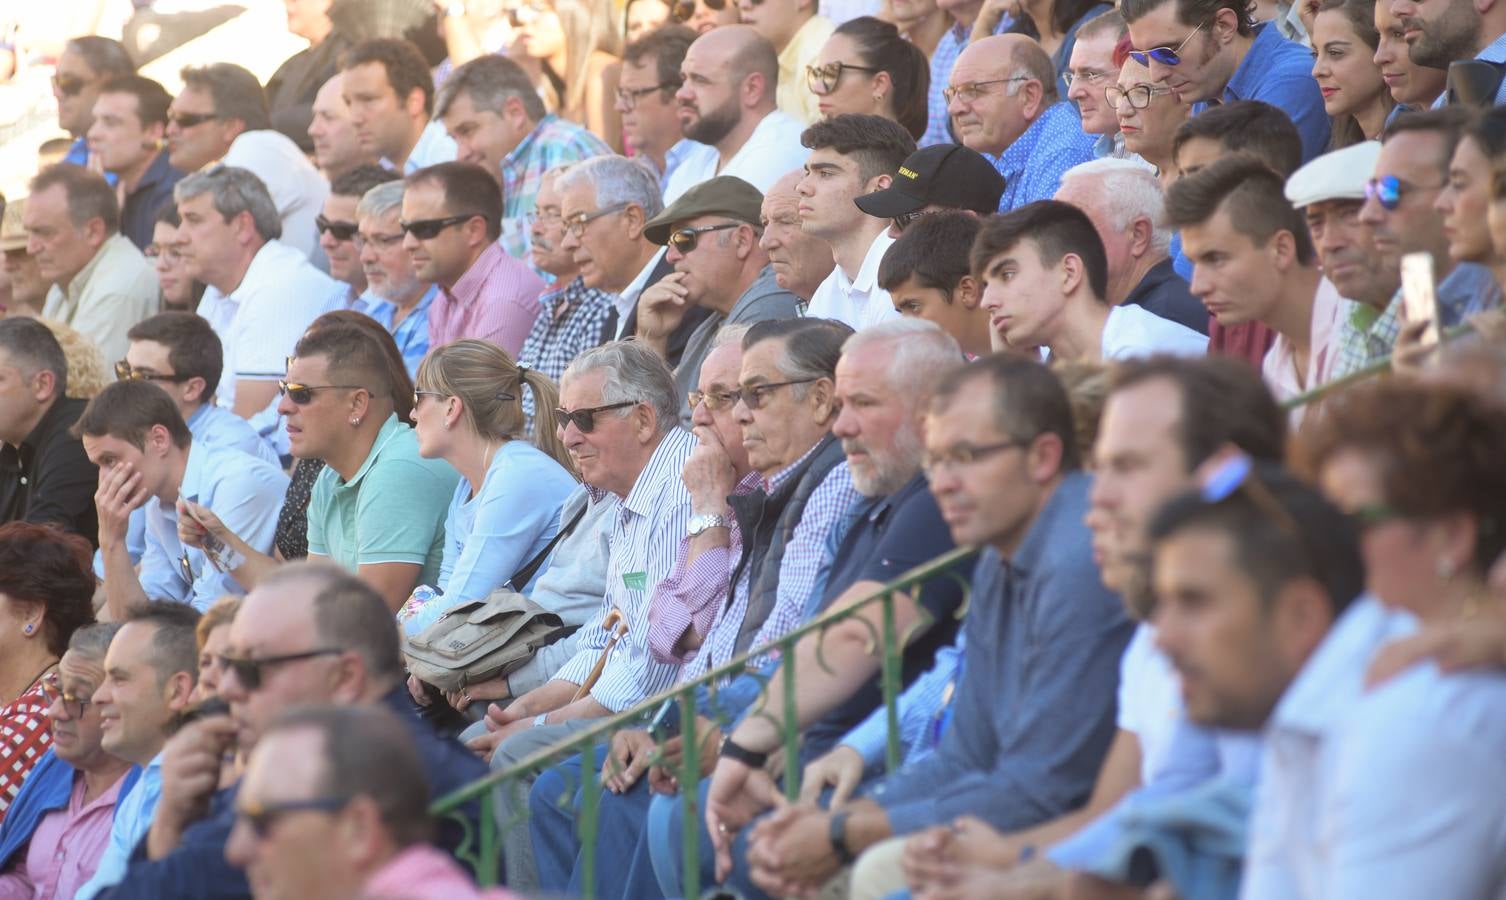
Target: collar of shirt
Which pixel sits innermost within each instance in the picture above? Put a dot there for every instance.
(106, 259)
(158, 171)
(748, 484)
(193, 472)
(45, 428)
(1332, 679)
(1046, 530)
(1256, 63)
(867, 276)
(384, 437)
(676, 155)
(468, 288)
(525, 147)
(1017, 155)
(273, 256)
(667, 461)
(1495, 51)
(778, 478)
(629, 296)
(572, 294)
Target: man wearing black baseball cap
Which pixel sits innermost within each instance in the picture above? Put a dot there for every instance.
(712, 233)
(935, 178)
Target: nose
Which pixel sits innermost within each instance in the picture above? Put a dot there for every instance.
(33, 245)
(285, 406)
(767, 241)
(56, 710)
(1371, 212)
(992, 299)
(327, 242)
(1078, 91)
(1199, 283)
(368, 252)
(672, 254)
(955, 105)
(241, 845)
(701, 415)
(568, 241)
(741, 413)
(846, 424)
(410, 243)
(685, 96)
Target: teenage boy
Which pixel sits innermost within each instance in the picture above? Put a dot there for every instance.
(927, 275)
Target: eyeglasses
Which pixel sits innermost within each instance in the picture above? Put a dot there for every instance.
(576, 224)
(755, 396)
(714, 400)
(250, 672)
(1388, 190)
(429, 229)
(189, 120)
(823, 80)
(1166, 56)
(263, 817)
(340, 231)
(1087, 76)
(585, 419)
(684, 10)
(303, 394)
(971, 91)
(629, 97)
(69, 85)
(169, 251)
(905, 220)
(125, 372)
(383, 241)
(1139, 96)
(963, 455)
(684, 240)
(73, 706)
(534, 217)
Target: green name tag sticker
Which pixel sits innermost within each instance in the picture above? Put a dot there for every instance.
(635, 581)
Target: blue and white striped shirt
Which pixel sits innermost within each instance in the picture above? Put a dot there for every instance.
(641, 551)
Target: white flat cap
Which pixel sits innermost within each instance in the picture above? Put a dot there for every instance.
(1340, 175)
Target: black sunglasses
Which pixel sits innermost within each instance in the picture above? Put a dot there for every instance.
(429, 229)
(684, 10)
(263, 817)
(585, 419)
(249, 672)
(685, 239)
(189, 120)
(905, 220)
(69, 85)
(340, 231)
(303, 394)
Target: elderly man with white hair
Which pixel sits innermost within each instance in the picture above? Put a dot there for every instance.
(1124, 200)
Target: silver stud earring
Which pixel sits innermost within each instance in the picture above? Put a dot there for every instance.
(30, 628)
(355, 421)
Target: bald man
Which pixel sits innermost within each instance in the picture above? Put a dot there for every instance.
(727, 104)
(337, 150)
(800, 261)
(1003, 103)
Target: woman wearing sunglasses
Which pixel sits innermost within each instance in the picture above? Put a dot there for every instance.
(1354, 93)
(468, 411)
(1148, 112)
(866, 67)
(640, 17)
(574, 50)
(703, 15)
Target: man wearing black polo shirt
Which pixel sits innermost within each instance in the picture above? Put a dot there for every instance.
(44, 475)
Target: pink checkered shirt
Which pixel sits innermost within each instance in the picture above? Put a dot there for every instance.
(496, 300)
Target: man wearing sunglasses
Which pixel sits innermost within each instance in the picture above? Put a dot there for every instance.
(86, 63)
(220, 116)
(150, 671)
(310, 635)
(1210, 51)
(130, 121)
(451, 221)
(44, 809)
(337, 236)
(713, 241)
(1002, 97)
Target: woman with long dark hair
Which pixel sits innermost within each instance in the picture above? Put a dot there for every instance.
(867, 67)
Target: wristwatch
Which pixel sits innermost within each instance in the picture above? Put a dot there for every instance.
(733, 750)
(704, 522)
(836, 832)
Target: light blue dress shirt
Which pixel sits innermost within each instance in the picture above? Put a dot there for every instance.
(133, 819)
(243, 491)
(492, 534)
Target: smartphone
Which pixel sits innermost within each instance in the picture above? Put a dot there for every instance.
(205, 709)
(1419, 295)
(666, 721)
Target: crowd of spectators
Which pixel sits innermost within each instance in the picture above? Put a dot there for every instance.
(498, 366)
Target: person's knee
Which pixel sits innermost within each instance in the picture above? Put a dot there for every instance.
(878, 871)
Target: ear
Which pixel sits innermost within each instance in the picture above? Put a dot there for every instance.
(230, 129)
(635, 220)
(178, 691)
(967, 294)
(158, 439)
(44, 386)
(360, 403)
(1283, 250)
(361, 835)
(1453, 538)
(349, 679)
(822, 398)
(883, 85)
(645, 423)
(747, 241)
(1226, 25)
(193, 390)
(1142, 232)
(475, 232)
(94, 232)
(1043, 461)
(879, 182)
(515, 113)
(155, 133)
(453, 411)
(754, 88)
(1032, 99)
(414, 104)
(1073, 274)
(245, 228)
(1302, 615)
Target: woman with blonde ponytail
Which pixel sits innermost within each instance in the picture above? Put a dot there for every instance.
(468, 411)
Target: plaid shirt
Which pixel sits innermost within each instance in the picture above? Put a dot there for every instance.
(947, 50)
(575, 319)
(496, 300)
(1365, 336)
(552, 142)
(25, 734)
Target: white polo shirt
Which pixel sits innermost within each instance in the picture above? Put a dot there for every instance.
(856, 299)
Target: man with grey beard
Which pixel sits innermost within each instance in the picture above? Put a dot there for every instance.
(575, 317)
(402, 300)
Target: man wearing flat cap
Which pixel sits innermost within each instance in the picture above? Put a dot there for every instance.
(933, 179)
(711, 233)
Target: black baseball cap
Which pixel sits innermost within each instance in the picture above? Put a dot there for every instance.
(948, 175)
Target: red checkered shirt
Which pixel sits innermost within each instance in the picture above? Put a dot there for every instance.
(25, 734)
(496, 300)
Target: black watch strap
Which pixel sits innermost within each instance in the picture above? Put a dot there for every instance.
(733, 750)
(837, 833)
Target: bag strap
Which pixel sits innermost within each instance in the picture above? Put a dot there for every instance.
(520, 578)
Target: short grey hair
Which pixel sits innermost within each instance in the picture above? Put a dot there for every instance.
(381, 199)
(1127, 191)
(235, 191)
(921, 354)
(617, 180)
(93, 640)
(490, 81)
(634, 373)
(730, 334)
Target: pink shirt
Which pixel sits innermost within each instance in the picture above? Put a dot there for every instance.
(1280, 364)
(496, 300)
(422, 872)
(65, 848)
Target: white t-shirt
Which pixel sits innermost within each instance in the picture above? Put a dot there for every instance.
(772, 151)
(1150, 701)
(857, 301)
(1133, 331)
(298, 190)
(260, 322)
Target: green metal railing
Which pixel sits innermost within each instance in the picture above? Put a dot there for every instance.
(482, 848)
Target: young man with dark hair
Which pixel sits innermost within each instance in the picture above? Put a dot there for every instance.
(1248, 126)
(390, 94)
(452, 218)
(130, 125)
(927, 275)
(1044, 273)
(851, 155)
(133, 431)
(1253, 260)
(1212, 51)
